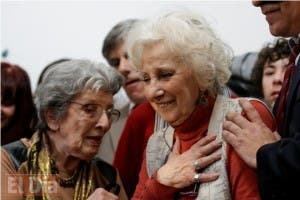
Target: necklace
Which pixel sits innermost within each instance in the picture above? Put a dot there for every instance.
(64, 182)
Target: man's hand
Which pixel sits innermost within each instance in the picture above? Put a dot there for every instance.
(247, 135)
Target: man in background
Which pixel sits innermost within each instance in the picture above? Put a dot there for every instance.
(114, 51)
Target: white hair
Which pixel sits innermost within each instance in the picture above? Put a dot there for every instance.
(191, 39)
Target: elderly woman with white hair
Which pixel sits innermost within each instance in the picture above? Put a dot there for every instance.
(75, 109)
(185, 66)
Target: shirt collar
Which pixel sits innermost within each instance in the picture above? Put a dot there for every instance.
(292, 42)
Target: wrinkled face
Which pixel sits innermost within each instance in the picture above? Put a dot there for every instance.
(134, 87)
(169, 86)
(7, 112)
(77, 134)
(273, 74)
(282, 16)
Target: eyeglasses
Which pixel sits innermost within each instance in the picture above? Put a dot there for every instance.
(95, 111)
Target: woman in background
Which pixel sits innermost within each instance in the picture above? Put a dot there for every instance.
(268, 71)
(18, 113)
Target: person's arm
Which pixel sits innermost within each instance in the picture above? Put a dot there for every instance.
(278, 168)
(7, 169)
(150, 188)
(243, 179)
(122, 194)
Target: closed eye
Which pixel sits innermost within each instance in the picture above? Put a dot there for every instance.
(166, 75)
(268, 72)
(89, 108)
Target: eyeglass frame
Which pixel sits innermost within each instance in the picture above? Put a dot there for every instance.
(109, 112)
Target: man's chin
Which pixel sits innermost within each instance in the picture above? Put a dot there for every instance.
(277, 29)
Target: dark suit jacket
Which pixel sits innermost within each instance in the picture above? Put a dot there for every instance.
(278, 164)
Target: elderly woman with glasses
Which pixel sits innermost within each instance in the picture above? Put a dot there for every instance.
(75, 109)
(185, 67)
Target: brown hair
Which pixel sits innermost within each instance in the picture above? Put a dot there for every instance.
(272, 52)
(16, 89)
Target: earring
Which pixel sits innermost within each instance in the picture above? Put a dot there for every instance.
(202, 99)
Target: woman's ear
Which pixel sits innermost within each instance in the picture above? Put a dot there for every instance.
(51, 121)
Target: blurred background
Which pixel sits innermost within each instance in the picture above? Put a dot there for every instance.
(35, 33)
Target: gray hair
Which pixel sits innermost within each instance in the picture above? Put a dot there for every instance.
(116, 36)
(64, 81)
(190, 38)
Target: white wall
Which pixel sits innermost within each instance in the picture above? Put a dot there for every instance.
(36, 33)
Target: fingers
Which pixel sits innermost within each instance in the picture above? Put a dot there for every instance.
(205, 161)
(250, 111)
(251, 114)
(205, 177)
(206, 145)
(231, 138)
(101, 193)
(237, 119)
(205, 140)
(231, 127)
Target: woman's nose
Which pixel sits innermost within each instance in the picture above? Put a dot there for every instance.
(154, 91)
(278, 77)
(104, 122)
(124, 67)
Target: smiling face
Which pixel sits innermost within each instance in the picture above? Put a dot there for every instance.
(133, 86)
(76, 134)
(273, 74)
(169, 86)
(282, 16)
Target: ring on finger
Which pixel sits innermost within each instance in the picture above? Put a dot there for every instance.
(197, 178)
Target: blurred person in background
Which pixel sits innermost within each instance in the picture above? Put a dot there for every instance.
(240, 82)
(18, 113)
(48, 66)
(269, 69)
(115, 52)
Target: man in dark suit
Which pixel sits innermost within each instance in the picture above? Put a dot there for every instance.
(276, 156)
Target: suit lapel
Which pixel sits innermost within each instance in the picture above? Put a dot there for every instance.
(292, 94)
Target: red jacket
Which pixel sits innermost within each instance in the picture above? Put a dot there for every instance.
(133, 141)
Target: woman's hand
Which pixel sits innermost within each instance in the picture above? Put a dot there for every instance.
(179, 170)
(102, 194)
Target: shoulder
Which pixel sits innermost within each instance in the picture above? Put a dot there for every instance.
(7, 165)
(143, 110)
(17, 152)
(106, 169)
(144, 107)
(264, 112)
(110, 174)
